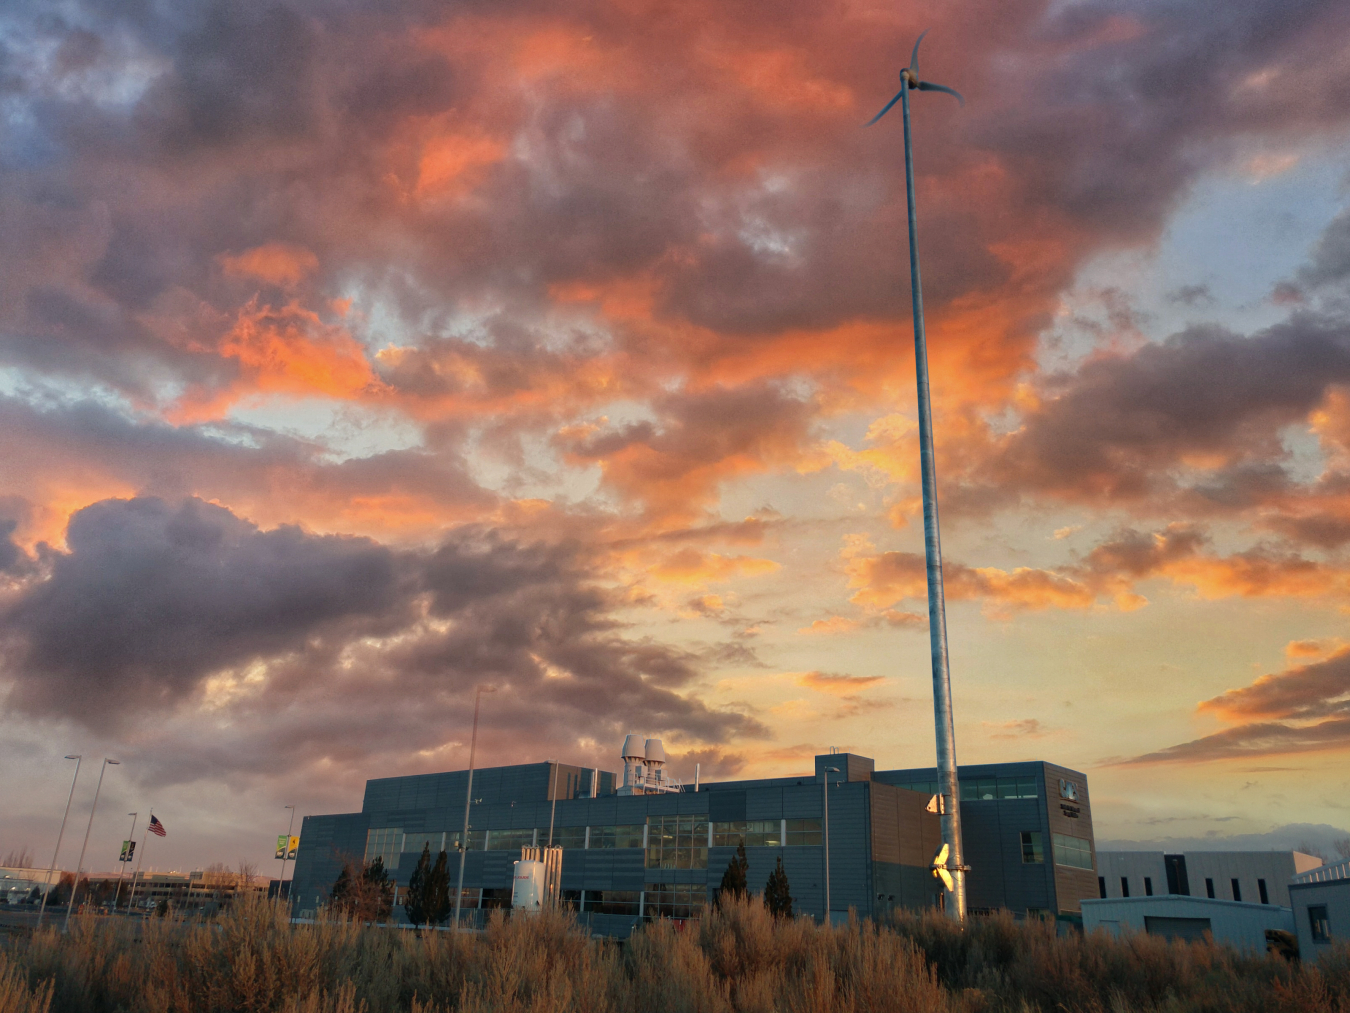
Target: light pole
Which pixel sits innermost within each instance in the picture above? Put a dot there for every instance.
(286, 852)
(468, 793)
(80, 864)
(123, 860)
(827, 771)
(52, 871)
(950, 817)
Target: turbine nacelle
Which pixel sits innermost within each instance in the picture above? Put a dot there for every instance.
(909, 80)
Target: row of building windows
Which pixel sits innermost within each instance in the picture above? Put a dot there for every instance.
(1074, 852)
(984, 789)
(1235, 887)
(672, 842)
(658, 900)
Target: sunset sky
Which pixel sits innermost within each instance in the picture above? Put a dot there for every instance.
(353, 354)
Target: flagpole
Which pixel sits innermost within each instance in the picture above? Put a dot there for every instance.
(136, 875)
(122, 861)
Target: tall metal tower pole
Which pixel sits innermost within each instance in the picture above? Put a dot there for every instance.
(950, 808)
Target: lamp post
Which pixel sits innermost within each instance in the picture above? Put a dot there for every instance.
(950, 810)
(122, 860)
(468, 793)
(65, 925)
(286, 852)
(827, 771)
(52, 871)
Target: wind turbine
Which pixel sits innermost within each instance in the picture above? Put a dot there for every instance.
(950, 857)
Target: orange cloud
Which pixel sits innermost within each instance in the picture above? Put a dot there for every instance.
(282, 264)
(838, 685)
(690, 566)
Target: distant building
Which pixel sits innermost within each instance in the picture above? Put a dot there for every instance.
(1321, 908)
(643, 845)
(1255, 877)
(18, 883)
(1234, 923)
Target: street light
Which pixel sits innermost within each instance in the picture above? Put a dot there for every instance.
(950, 811)
(80, 864)
(468, 792)
(286, 851)
(122, 860)
(827, 771)
(52, 871)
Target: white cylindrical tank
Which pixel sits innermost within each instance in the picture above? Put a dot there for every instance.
(655, 754)
(527, 886)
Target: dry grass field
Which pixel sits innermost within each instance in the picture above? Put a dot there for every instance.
(737, 959)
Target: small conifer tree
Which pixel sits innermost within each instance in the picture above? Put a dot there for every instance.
(777, 893)
(418, 902)
(438, 891)
(733, 880)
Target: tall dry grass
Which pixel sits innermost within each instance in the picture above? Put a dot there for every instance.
(736, 960)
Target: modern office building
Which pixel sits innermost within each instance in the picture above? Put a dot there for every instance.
(1253, 877)
(1242, 925)
(642, 845)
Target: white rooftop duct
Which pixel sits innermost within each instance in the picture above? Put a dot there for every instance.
(656, 755)
(633, 748)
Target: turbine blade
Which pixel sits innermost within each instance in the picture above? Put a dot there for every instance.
(929, 86)
(885, 109)
(914, 56)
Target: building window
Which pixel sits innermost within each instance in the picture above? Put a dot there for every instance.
(1318, 922)
(1209, 888)
(510, 840)
(1124, 886)
(678, 900)
(1075, 852)
(1148, 886)
(1033, 851)
(986, 789)
(414, 843)
(496, 898)
(613, 902)
(678, 842)
(803, 833)
(565, 837)
(1261, 889)
(627, 835)
(385, 844)
(751, 833)
(1237, 890)
(1101, 886)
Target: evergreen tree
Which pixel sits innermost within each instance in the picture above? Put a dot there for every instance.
(378, 895)
(417, 903)
(733, 880)
(438, 891)
(777, 893)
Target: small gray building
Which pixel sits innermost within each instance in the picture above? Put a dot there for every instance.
(1321, 903)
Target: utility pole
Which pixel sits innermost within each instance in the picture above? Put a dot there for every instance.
(123, 859)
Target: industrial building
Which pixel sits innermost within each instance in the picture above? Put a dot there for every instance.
(641, 845)
(1254, 877)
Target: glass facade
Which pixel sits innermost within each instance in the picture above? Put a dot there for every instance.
(674, 900)
(984, 789)
(1033, 851)
(413, 843)
(566, 837)
(1074, 852)
(626, 835)
(384, 843)
(751, 833)
(612, 902)
(803, 833)
(510, 840)
(677, 842)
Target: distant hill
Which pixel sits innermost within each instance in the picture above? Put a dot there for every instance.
(1321, 836)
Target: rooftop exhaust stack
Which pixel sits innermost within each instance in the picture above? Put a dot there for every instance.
(642, 768)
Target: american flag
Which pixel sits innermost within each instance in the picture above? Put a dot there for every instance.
(156, 827)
